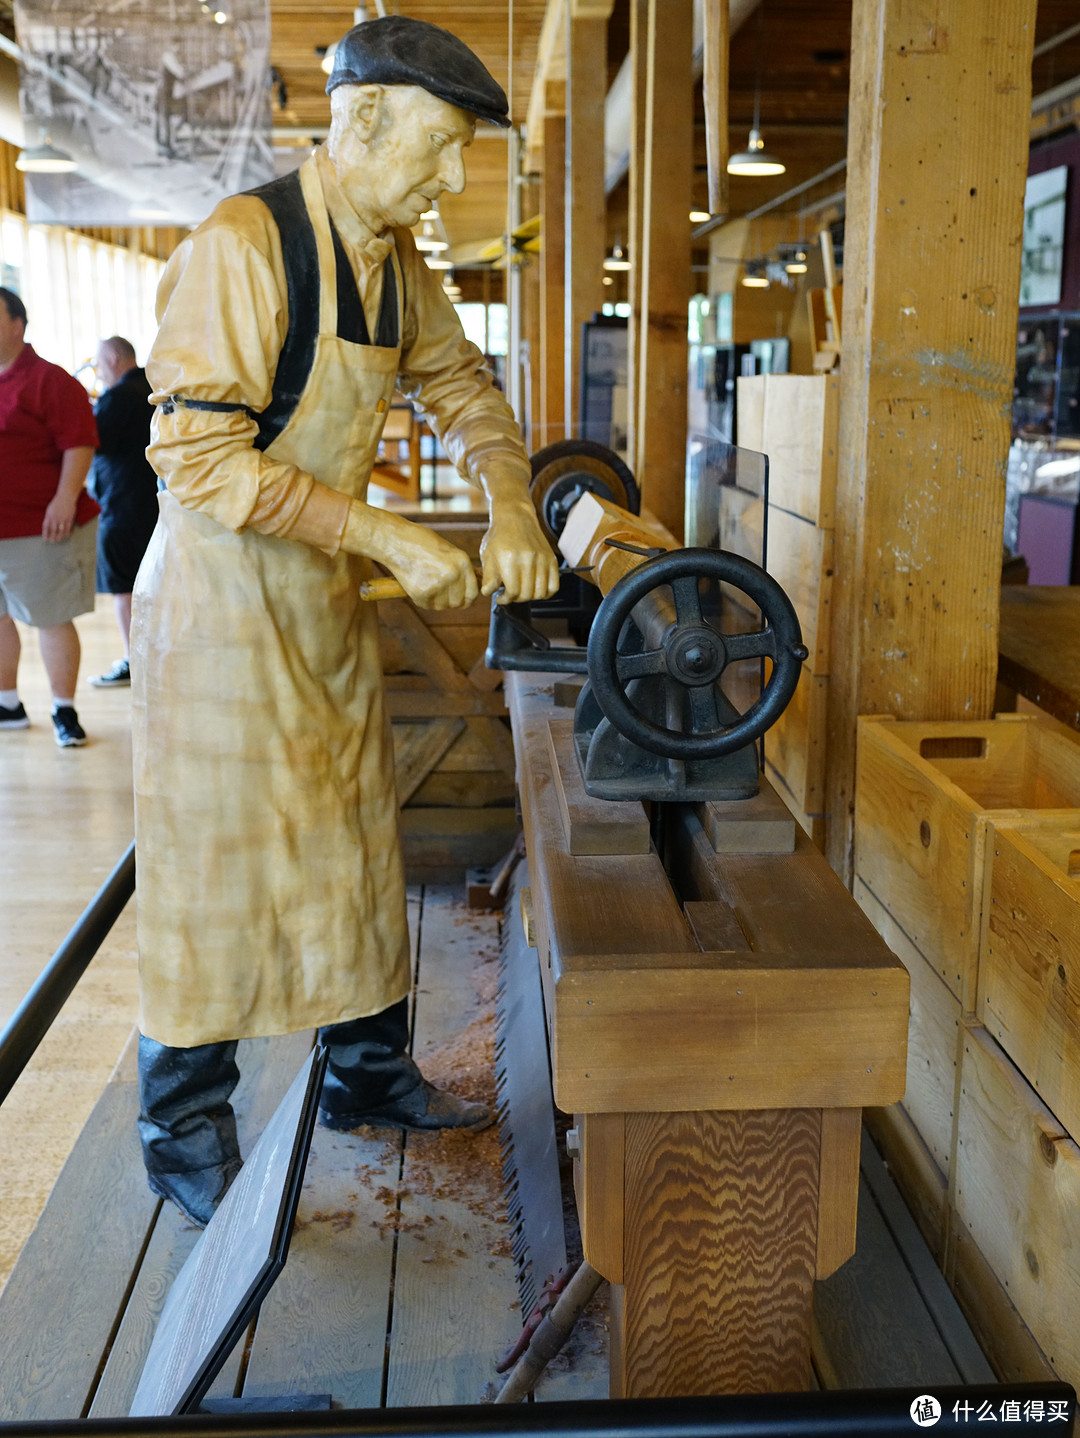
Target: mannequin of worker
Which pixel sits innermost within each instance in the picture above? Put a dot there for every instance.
(271, 890)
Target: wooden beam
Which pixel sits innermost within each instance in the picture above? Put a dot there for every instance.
(553, 282)
(715, 93)
(934, 217)
(637, 58)
(660, 448)
(550, 67)
(586, 203)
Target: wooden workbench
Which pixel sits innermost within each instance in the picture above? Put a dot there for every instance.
(716, 1046)
(1039, 647)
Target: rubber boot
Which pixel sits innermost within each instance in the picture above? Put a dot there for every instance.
(371, 1079)
(186, 1124)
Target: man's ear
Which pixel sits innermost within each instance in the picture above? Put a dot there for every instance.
(365, 108)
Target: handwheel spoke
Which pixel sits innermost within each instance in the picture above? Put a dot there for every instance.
(634, 666)
(687, 598)
(760, 644)
(704, 714)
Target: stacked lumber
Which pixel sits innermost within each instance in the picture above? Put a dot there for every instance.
(967, 861)
(793, 419)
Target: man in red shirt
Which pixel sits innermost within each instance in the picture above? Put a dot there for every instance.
(48, 523)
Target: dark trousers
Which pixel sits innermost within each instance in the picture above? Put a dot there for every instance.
(186, 1122)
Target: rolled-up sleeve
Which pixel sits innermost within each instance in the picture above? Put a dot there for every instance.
(222, 318)
(445, 375)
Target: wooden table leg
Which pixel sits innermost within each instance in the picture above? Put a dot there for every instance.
(720, 1251)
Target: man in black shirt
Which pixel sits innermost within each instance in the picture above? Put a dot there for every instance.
(125, 486)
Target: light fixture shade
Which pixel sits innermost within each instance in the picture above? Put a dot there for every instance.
(326, 64)
(755, 159)
(45, 159)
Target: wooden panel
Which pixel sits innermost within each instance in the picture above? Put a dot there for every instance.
(750, 399)
(801, 561)
(795, 745)
(709, 1034)
(799, 434)
(933, 1037)
(929, 356)
(553, 282)
(1029, 968)
(591, 826)
(598, 1182)
(716, 926)
(728, 1202)
(1017, 1190)
(1006, 1339)
(812, 825)
(838, 1188)
(417, 749)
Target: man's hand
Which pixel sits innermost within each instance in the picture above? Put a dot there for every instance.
(59, 517)
(433, 573)
(516, 556)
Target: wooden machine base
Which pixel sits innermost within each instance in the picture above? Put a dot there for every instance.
(716, 1034)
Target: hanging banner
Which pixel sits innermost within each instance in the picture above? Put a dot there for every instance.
(164, 107)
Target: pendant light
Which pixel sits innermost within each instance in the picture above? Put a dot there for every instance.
(755, 159)
(45, 159)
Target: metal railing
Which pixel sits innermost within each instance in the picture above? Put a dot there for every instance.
(31, 1020)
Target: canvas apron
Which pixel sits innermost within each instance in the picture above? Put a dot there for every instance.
(270, 887)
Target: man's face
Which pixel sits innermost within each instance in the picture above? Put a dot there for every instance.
(417, 154)
(105, 367)
(11, 335)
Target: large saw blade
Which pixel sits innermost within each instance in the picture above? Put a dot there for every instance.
(526, 1109)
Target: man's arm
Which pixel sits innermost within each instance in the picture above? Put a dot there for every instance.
(60, 515)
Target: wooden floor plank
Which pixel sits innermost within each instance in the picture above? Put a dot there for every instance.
(870, 1317)
(267, 1067)
(60, 1304)
(322, 1328)
(941, 1307)
(455, 1298)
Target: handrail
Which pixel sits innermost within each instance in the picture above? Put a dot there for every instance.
(32, 1019)
(842, 1413)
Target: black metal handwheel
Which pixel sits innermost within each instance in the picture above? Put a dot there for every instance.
(693, 654)
(562, 472)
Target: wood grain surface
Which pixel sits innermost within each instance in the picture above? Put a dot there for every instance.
(720, 1250)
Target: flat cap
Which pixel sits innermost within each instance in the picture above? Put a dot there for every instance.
(398, 50)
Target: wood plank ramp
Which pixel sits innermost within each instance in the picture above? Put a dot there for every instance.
(399, 1289)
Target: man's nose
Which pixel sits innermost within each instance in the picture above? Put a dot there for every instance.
(452, 170)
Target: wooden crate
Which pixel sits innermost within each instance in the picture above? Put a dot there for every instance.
(1029, 964)
(934, 1038)
(1016, 1191)
(800, 559)
(925, 796)
(750, 411)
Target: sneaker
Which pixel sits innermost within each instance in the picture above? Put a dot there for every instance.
(70, 734)
(118, 677)
(16, 718)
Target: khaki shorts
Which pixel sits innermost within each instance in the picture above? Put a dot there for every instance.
(45, 584)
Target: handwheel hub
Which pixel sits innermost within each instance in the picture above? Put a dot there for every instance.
(695, 655)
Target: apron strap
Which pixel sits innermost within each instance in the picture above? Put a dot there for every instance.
(285, 200)
(351, 320)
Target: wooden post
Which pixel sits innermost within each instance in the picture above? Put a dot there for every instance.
(553, 282)
(660, 450)
(639, 50)
(940, 109)
(586, 88)
(715, 92)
